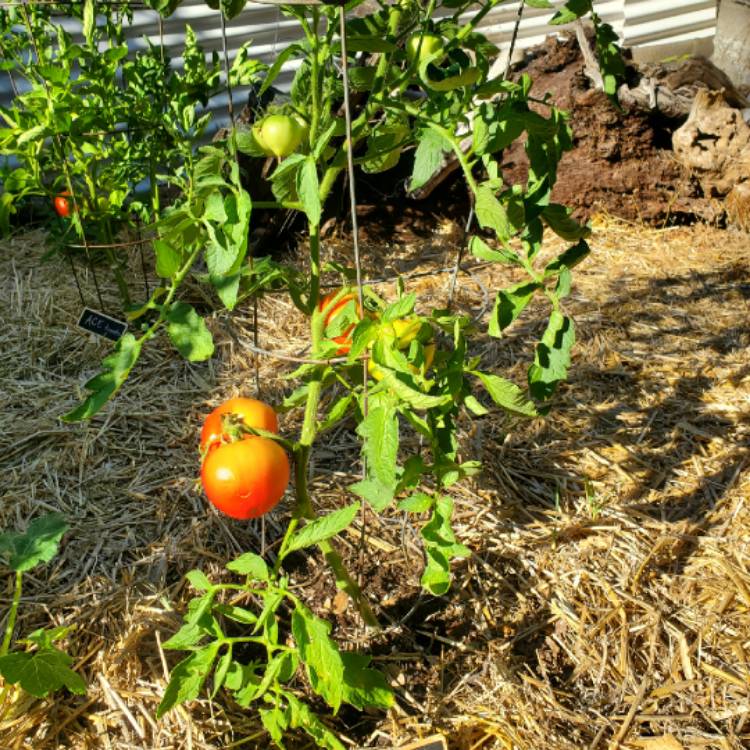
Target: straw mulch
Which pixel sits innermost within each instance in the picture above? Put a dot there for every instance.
(607, 601)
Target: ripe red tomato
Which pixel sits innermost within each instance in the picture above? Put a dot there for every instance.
(333, 310)
(247, 478)
(62, 204)
(254, 413)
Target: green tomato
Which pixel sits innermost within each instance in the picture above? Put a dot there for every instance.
(258, 136)
(281, 134)
(431, 43)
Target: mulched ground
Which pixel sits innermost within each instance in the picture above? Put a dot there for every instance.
(607, 600)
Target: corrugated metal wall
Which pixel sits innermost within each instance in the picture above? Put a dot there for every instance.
(639, 23)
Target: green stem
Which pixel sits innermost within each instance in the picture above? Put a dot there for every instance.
(11, 624)
(312, 301)
(315, 76)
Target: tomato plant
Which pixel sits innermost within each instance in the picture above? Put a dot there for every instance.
(423, 82)
(247, 478)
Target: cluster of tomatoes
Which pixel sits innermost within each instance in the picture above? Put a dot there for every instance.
(243, 475)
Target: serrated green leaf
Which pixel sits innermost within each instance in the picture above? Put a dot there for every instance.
(187, 678)
(419, 502)
(198, 580)
(379, 433)
(490, 212)
(377, 494)
(440, 547)
(323, 527)
(220, 673)
(250, 564)
(320, 655)
(41, 672)
(364, 687)
(302, 717)
(116, 368)
(308, 189)
(509, 304)
(552, 356)
(569, 259)
(480, 249)
(189, 333)
(507, 394)
(404, 387)
(428, 158)
(559, 220)
(38, 544)
(168, 259)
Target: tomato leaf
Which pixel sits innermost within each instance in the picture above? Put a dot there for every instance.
(168, 259)
(38, 544)
(251, 565)
(480, 249)
(308, 188)
(117, 367)
(377, 494)
(552, 356)
(570, 258)
(571, 11)
(187, 678)
(428, 158)
(440, 547)
(41, 672)
(363, 686)
(322, 528)
(379, 432)
(189, 333)
(490, 212)
(509, 304)
(507, 394)
(320, 655)
(559, 220)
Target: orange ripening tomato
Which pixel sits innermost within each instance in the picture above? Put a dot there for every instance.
(62, 204)
(254, 413)
(246, 479)
(332, 310)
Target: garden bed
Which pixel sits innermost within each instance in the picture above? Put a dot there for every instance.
(606, 601)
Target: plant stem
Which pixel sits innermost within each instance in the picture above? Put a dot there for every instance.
(312, 302)
(11, 624)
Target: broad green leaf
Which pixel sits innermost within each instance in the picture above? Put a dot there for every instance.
(89, 20)
(116, 368)
(251, 565)
(400, 308)
(428, 158)
(379, 432)
(227, 287)
(303, 717)
(571, 11)
(168, 259)
(214, 208)
(41, 672)
(38, 544)
(364, 687)
(562, 224)
(509, 304)
(570, 258)
(189, 635)
(237, 614)
(377, 495)
(440, 547)
(221, 671)
(403, 386)
(480, 249)
(419, 502)
(552, 356)
(539, 4)
(278, 64)
(189, 333)
(507, 394)
(323, 527)
(308, 188)
(198, 580)
(187, 678)
(320, 655)
(490, 212)
(474, 406)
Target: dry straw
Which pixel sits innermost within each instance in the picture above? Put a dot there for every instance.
(607, 603)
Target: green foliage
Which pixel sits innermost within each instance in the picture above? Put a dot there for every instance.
(45, 668)
(214, 632)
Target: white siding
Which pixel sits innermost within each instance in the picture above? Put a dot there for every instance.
(640, 23)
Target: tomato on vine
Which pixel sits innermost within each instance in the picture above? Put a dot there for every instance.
(280, 134)
(422, 46)
(247, 478)
(250, 411)
(62, 204)
(335, 310)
